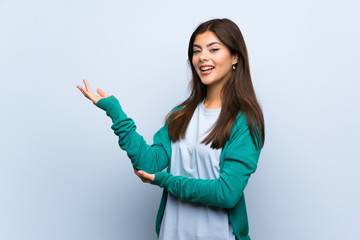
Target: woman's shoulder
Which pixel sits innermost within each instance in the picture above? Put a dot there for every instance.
(241, 130)
(240, 122)
(240, 126)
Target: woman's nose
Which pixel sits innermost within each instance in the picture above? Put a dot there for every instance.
(204, 56)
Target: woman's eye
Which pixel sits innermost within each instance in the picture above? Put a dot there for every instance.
(196, 51)
(214, 49)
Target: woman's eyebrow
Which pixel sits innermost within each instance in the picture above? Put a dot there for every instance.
(210, 44)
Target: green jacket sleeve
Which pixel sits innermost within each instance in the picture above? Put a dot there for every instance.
(152, 158)
(240, 161)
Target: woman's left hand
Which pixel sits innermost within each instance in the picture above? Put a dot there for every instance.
(144, 176)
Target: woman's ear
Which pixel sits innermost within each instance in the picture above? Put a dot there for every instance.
(235, 59)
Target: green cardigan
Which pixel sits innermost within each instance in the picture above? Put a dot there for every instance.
(238, 161)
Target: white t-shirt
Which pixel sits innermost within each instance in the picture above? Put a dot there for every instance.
(185, 220)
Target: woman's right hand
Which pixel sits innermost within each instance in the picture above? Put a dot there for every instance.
(90, 95)
(144, 176)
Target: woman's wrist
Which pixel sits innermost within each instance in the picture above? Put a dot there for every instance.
(107, 102)
(159, 178)
(112, 107)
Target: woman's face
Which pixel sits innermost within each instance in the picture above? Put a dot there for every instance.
(212, 60)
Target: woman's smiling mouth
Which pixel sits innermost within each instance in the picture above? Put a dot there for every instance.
(206, 69)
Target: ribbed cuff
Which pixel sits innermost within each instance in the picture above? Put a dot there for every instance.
(104, 103)
(160, 178)
(112, 107)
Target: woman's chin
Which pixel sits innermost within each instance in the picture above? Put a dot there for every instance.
(206, 81)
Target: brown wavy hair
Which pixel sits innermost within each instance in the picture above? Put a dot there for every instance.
(237, 94)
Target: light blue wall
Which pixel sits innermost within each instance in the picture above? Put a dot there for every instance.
(62, 175)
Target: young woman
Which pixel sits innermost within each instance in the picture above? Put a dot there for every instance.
(209, 145)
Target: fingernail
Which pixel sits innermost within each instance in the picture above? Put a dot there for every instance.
(140, 172)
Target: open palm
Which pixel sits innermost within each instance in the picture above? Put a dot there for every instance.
(90, 95)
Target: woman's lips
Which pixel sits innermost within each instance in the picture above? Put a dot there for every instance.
(205, 70)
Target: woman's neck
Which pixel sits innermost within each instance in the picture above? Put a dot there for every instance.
(213, 98)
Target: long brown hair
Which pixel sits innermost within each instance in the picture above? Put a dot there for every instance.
(237, 95)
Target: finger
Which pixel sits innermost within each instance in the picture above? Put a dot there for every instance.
(102, 93)
(144, 180)
(143, 174)
(139, 176)
(136, 173)
(87, 86)
(82, 90)
(79, 87)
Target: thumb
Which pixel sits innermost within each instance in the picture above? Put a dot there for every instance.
(102, 93)
(143, 173)
(146, 175)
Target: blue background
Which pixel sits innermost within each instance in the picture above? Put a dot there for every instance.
(62, 174)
